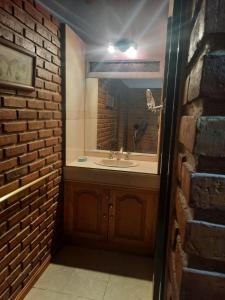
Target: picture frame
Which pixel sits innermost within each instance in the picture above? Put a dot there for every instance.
(17, 66)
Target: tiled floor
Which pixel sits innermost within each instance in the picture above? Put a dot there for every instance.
(89, 274)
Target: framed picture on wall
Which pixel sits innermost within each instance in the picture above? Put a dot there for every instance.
(17, 66)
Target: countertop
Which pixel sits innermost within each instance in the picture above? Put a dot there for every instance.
(144, 175)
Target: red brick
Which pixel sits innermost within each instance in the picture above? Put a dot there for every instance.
(56, 79)
(45, 133)
(16, 173)
(39, 83)
(28, 157)
(51, 67)
(13, 102)
(57, 98)
(51, 105)
(6, 6)
(57, 115)
(18, 238)
(45, 152)
(22, 42)
(35, 104)
(56, 41)
(43, 54)
(14, 126)
(43, 32)
(29, 178)
(8, 235)
(187, 133)
(14, 263)
(50, 47)
(15, 150)
(36, 145)
(8, 139)
(32, 125)
(28, 94)
(29, 219)
(31, 256)
(7, 188)
(51, 124)
(27, 114)
(30, 237)
(52, 158)
(33, 12)
(186, 172)
(28, 136)
(7, 114)
(38, 221)
(44, 74)
(10, 22)
(51, 142)
(36, 165)
(4, 273)
(34, 37)
(43, 11)
(56, 60)
(10, 256)
(51, 86)
(8, 164)
(6, 33)
(44, 95)
(45, 115)
(51, 27)
(57, 131)
(57, 148)
(16, 218)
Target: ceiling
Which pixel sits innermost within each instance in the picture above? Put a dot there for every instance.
(99, 22)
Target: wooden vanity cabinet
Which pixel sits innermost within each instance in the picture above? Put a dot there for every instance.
(85, 212)
(110, 217)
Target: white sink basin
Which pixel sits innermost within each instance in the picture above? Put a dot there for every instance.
(117, 163)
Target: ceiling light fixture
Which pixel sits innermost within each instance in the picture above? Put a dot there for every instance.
(111, 49)
(124, 45)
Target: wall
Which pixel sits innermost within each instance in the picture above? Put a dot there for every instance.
(196, 255)
(107, 116)
(75, 94)
(137, 111)
(30, 147)
(91, 111)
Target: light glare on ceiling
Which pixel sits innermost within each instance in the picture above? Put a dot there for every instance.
(111, 49)
(131, 52)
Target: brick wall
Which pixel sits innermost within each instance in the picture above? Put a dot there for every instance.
(107, 117)
(137, 112)
(117, 123)
(196, 264)
(30, 147)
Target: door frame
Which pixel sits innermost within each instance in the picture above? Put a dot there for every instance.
(171, 96)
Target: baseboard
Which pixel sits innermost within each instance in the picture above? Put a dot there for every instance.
(33, 279)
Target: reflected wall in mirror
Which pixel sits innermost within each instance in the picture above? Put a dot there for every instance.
(116, 115)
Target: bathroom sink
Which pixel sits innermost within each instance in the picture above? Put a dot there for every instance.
(117, 163)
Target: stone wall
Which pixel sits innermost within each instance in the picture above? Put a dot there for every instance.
(196, 258)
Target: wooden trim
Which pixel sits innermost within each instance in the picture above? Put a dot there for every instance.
(33, 279)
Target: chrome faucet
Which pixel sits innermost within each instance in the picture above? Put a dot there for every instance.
(119, 154)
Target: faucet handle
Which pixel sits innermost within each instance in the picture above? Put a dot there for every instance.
(111, 154)
(127, 155)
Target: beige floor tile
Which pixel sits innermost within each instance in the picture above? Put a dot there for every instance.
(86, 286)
(124, 288)
(55, 278)
(39, 294)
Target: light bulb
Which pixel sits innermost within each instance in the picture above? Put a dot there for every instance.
(111, 49)
(131, 52)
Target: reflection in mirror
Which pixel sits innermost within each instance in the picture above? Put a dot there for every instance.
(118, 115)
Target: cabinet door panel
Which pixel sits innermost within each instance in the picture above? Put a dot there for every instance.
(89, 211)
(132, 218)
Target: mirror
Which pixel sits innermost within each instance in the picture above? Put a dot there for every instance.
(117, 115)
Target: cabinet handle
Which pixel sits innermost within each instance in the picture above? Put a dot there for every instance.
(110, 206)
(104, 216)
